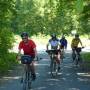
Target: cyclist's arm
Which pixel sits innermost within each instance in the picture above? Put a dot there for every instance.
(18, 57)
(35, 50)
(19, 51)
(65, 44)
(59, 45)
(72, 43)
(47, 45)
(80, 42)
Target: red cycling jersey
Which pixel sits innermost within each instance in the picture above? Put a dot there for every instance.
(28, 47)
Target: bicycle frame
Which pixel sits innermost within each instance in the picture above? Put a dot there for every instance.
(27, 78)
(62, 54)
(27, 61)
(53, 64)
(76, 56)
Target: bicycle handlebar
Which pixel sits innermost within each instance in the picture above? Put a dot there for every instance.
(78, 49)
(53, 51)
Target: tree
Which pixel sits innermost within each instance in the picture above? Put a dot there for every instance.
(6, 37)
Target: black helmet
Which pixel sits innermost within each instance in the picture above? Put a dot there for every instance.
(76, 35)
(53, 35)
(24, 34)
(63, 36)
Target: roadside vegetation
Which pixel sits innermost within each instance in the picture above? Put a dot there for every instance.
(7, 63)
(86, 58)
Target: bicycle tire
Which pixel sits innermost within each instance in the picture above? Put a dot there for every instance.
(73, 56)
(27, 81)
(24, 82)
(53, 68)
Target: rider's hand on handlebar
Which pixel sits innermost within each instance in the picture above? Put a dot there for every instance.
(18, 57)
(82, 46)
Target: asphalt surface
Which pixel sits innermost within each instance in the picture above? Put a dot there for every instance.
(69, 77)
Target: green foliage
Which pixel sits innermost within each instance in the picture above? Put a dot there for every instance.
(45, 16)
(8, 62)
(5, 41)
(48, 16)
(86, 56)
(6, 36)
(79, 6)
(85, 20)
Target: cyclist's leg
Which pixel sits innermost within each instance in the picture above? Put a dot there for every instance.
(61, 54)
(50, 55)
(78, 53)
(58, 61)
(32, 68)
(73, 54)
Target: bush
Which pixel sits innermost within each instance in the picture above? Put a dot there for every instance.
(86, 56)
(8, 63)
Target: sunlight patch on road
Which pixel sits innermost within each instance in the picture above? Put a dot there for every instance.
(84, 74)
(52, 79)
(8, 78)
(74, 89)
(42, 64)
(59, 73)
(40, 88)
(83, 79)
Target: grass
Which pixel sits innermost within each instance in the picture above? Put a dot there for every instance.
(86, 56)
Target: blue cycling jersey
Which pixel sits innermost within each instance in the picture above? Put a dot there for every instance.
(63, 42)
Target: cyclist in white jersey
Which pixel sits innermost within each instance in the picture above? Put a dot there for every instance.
(54, 44)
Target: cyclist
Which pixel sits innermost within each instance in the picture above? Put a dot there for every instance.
(63, 45)
(29, 48)
(75, 42)
(54, 43)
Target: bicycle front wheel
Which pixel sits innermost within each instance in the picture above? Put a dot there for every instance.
(53, 68)
(29, 80)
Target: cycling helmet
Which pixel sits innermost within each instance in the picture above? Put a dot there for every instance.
(76, 35)
(24, 34)
(63, 36)
(53, 35)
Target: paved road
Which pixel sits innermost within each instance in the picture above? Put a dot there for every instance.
(69, 78)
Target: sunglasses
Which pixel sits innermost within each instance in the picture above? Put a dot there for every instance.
(24, 38)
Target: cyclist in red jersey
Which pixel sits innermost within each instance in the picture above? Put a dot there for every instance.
(29, 48)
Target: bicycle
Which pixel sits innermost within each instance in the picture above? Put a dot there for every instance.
(77, 59)
(62, 55)
(53, 65)
(27, 79)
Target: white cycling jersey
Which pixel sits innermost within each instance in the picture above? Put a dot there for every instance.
(54, 43)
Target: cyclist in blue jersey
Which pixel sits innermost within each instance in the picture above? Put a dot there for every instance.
(63, 46)
(63, 43)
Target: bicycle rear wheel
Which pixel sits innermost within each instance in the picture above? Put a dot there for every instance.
(73, 56)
